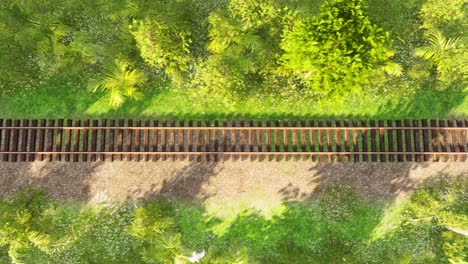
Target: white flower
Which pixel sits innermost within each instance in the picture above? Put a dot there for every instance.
(196, 256)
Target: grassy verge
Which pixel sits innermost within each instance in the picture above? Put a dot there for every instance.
(57, 99)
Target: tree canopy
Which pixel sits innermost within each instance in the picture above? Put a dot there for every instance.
(228, 47)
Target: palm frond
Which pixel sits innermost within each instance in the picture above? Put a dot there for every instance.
(17, 251)
(439, 44)
(252, 42)
(393, 68)
(119, 82)
(39, 239)
(23, 216)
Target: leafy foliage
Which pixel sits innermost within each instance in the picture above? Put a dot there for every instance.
(438, 14)
(449, 56)
(119, 82)
(164, 37)
(222, 53)
(155, 229)
(21, 227)
(243, 43)
(336, 51)
(337, 227)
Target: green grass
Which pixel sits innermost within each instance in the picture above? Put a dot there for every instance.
(56, 99)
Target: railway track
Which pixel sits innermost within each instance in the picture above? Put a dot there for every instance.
(154, 140)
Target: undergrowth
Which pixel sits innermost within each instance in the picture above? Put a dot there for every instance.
(337, 227)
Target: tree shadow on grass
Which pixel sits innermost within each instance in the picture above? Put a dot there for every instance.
(305, 232)
(426, 103)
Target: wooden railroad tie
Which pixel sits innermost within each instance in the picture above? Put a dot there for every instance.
(207, 140)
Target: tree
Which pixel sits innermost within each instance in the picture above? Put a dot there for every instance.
(336, 51)
(243, 45)
(164, 37)
(448, 56)
(119, 82)
(20, 227)
(155, 232)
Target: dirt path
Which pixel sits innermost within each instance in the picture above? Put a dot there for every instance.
(252, 184)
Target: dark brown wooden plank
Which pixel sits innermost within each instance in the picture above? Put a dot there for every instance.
(338, 141)
(216, 139)
(286, 147)
(329, 139)
(103, 142)
(312, 140)
(426, 140)
(207, 140)
(251, 139)
(303, 139)
(356, 148)
(58, 140)
(320, 140)
(268, 140)
(408, 144)
(94, 138)
(373, 134)
(180, 146)
(243, 138)
(32, 141)
(294, 138)
(129, 140)
(163, 139)
(443, 139)
(235, 141)
(399, 135)
(390, 133)
(24, 139)
(68, 139)
(452, 140)
(111, 140)
(260, 145)
(172, 135)
(146, 140)
(41, 139)
(225, 146)
(84, 156)
(15, 140)
(382, 132)
(155, 139)
(138, 137)
(417, 141)
(365, 157)
(347, 147)
(435, 140)
(277, 140)
(462, 142)
(76, 140)
(120, 139)
(198, 140)
(50, 139)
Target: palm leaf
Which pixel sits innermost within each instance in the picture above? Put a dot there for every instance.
(393, 68)
(119, 82)
(39, 239)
